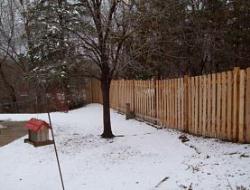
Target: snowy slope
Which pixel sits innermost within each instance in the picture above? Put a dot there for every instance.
(144, 159)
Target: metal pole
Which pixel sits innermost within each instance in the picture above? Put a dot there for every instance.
(55, 148)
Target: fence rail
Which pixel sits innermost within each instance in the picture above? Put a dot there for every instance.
(215, 105)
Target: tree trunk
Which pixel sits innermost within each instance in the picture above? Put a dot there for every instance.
(11, 91)
(107, 131)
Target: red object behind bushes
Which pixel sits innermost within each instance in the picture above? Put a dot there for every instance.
(35, 125)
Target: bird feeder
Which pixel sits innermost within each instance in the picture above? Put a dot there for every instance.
(38, 133)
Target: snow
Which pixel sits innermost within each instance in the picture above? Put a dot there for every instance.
(141, 158)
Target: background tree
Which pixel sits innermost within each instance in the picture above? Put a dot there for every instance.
(102, 28)
(50, 52)
(11, 49)
(191, 37)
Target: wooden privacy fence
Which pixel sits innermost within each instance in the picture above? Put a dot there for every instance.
(214, 105)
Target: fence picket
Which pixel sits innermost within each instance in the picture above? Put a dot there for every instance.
(223, 106)
(242, 107)
(200, 103)
(229, 105)
(247, 111)
(235, 103)
(196, 105)
(209, 106)
(218, 110)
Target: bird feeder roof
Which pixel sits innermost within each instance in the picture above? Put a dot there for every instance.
(36, 125)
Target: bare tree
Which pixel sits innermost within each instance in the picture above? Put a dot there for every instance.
(10, 45)
(101, 31)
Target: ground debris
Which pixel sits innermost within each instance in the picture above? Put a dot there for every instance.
(162, 181)
(244, 156)
(193, 147)
(190, 187)
(183, 138)
(231, 153)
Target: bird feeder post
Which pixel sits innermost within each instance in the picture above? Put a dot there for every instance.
(129, 113)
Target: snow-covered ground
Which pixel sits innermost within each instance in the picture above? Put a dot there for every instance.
(143, 159)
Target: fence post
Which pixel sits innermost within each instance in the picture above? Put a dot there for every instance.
(156, 100)
(247, 106)
(129, 113)
(235, 118)
(242, 107)
(186, 103)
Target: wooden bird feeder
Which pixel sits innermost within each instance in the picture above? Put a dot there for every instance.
(38, 133)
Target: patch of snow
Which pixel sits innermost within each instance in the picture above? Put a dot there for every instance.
(142, 158)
